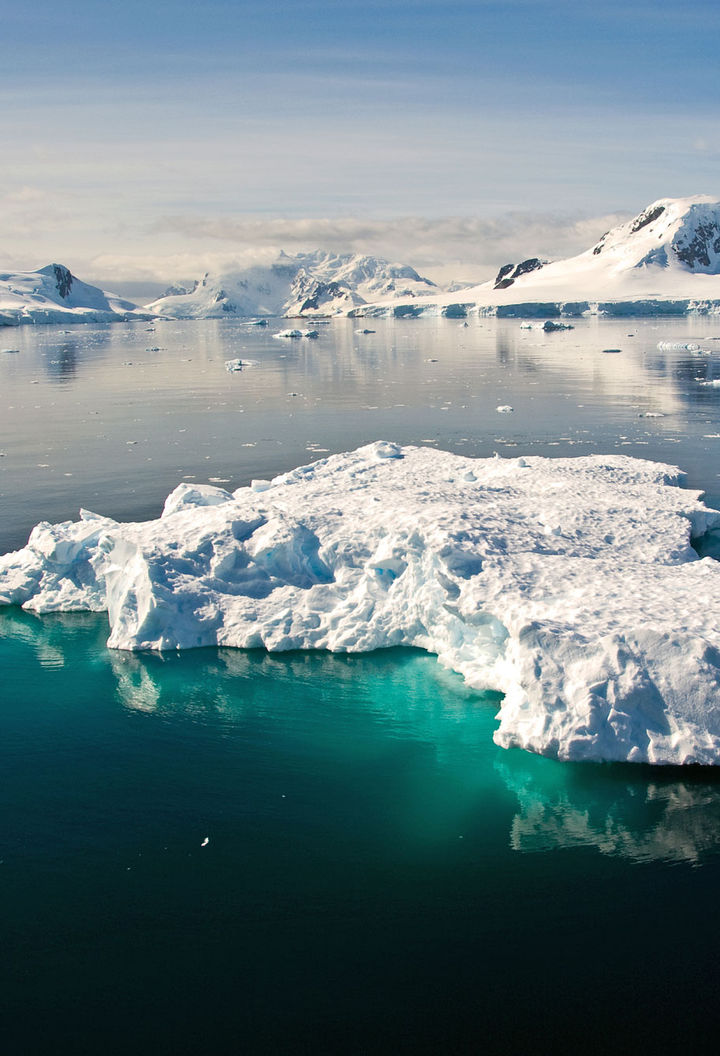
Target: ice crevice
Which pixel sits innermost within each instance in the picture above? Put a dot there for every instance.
(570, 585)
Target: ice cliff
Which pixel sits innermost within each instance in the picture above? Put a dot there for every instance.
(568, 584)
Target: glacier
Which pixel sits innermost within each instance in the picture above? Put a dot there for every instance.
(570, 585)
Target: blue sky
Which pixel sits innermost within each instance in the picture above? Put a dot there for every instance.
(141, 138)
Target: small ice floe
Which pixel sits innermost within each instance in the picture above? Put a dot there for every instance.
(611, 351)
(714, 383)
(505, 408)
(550, 327)
(155, 348)
(651, 414)
(295, 334)
(233, 365)
(205, 842)
(11, 351)
(677, 346)
(258, 322)
(365, 331)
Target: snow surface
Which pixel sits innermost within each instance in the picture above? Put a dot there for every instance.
(304, 284)
(664, 261)
(568, 584)
(54, 295)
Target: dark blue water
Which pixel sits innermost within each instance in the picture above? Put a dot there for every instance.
(378, 876)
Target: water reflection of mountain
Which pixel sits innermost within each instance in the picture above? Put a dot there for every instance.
(641, 818)
(61, 363)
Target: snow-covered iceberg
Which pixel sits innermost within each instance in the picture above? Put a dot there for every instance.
(570, 585)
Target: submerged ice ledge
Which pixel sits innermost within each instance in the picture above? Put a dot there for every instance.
(570, 585)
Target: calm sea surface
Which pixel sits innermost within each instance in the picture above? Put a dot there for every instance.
(235, 852)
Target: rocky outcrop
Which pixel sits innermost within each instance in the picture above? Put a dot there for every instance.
(509, 272)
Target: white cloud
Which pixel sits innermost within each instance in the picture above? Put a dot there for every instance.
(459, 247)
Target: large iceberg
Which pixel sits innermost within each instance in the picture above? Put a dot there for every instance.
(570, 585)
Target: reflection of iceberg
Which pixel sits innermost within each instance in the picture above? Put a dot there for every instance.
(51, 638)
(675, 821)
(404, 691)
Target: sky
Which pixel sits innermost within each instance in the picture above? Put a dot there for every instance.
(146, 142)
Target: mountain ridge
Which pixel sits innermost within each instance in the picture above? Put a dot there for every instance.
(665, 259)
(315, 283)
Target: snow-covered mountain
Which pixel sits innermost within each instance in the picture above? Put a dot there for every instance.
(54, 295)
(667, 259)
(305, 284)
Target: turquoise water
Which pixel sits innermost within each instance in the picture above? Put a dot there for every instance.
(378, 876)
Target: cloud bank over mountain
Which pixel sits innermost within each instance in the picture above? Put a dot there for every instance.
(461, 248)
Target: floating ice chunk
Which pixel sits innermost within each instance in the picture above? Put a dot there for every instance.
(295, 334)
(505, 408)
(550, 327)
(385, 449)
(569, 585)
(365, 331)
(233, 365)
(188, 496)
(677, 346)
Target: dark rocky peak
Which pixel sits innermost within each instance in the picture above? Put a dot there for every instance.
(506, 276)
(63, 279)
(321, 292)
(647, 217)
(501, 279)
(62, 276)
(531, 264)
(698, 245)
(180, 291)
(601, 244)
